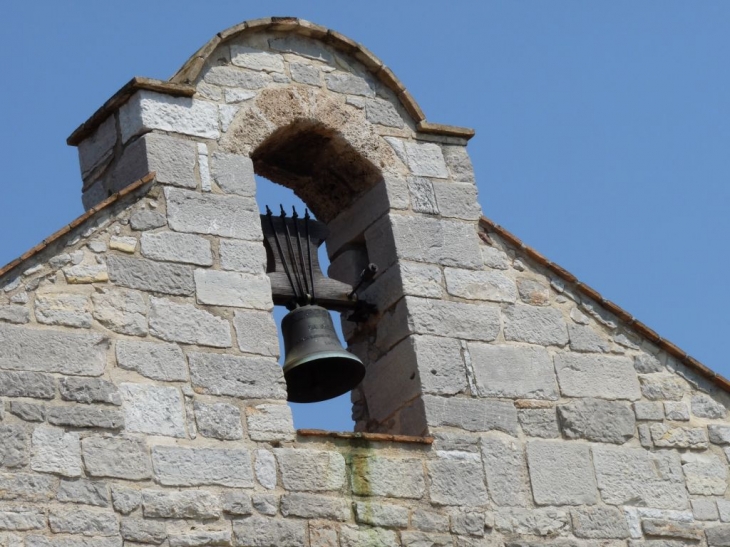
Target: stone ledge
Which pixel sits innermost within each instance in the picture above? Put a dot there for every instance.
(111, 200)
(620, 313)
(372, 437)
(122, 96)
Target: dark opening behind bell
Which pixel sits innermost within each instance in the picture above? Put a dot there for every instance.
(316, 366)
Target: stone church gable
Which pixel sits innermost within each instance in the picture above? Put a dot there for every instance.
(505, 403)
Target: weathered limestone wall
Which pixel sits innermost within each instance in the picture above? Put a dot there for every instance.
(141, 401)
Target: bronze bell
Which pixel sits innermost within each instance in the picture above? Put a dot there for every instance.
(316, 367)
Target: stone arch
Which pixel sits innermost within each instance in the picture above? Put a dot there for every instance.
(313, 143)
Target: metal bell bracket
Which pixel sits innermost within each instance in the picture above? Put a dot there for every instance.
(294, 270)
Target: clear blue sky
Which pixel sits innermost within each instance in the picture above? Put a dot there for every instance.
(603, 128)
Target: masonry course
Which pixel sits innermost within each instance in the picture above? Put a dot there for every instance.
(141, 401)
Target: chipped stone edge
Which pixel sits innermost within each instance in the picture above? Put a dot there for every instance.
(585, 290)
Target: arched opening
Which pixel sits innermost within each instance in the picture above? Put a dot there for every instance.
(333, 414)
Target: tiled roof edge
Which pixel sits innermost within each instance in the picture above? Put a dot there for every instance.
(91, 213)
(619, 312)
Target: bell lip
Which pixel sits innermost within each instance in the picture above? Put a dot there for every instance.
(342, 354)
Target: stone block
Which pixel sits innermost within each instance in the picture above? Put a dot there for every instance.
(310, 470)
(705, 474)
(55, 451)
(382, 112)
(125, 244)
(718, 536)
(266, 504)
(144, 219)
(350, 84)
(121, 311)
(51, 351)
(151, 276)
(154, 410)
(494, 258)
(468, 523)
(457, 200)
(86, 416)
(185, 504)
(704, 406)
(539, 422)
(513, 371)
(14, 314)
(392, 380)
(453, 319)
(202, 537)
(87, 391)
(234, 174)
(265, 468)
(676, 411)
(424, 159)
(148, 110)
(171, 158)
(185, 323)
(428, 521)
(84, 491)
(719, 434)
(177, 466)
(21, 519)
(86, 273)
(164, 362)
(26, 487)
(480, 285)
(13, 446)
(599, 376)
(226, 216)
(270, 423)
(442, 370)
(599, 522)
(257, 531)
(416, 539)
(533, 292)
(256, 333)
(423, 196)
(663, 387)
(351, 536)
(98, 148)
(27, 384)
(218, 421)
(255, 59)
(597, 420)
(305, 74)
(29, 412)
(314, 506)
(634, 476)
(584, 338)
(649, 411)
(561, 473)
(233, 289)
(68, 310)
(78, 541)
(423, 239)
(506, 470)
(664, 436)
(381, 514)
(237, 95)
(235, 502)
(177, 247)
(705, 509)
(126, 500)
(389, 477)
(242, 256)
(244, 377)
(672, 529)
(116, 457)
(143, 531)
(471, 414)
(459, 163)
(457, 482)
(646, 364)
(230, 76)
(543, 326)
